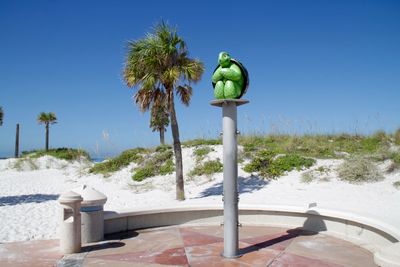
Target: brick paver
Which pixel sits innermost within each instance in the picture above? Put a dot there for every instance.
(195, 246)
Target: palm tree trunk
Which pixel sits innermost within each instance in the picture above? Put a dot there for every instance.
(162, 130)
(180, 190)
(47, 137)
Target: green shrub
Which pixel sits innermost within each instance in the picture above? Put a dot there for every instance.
(316, 146)
(286, 163)
(267, 164)
(119, 162)
(25, 163)
(260, 161)
(158, 163)
(60, 153)
(201, 152)
(167, 168)
(308, 176)
(201, 142)
(142, 173)
(395, 164)
(207, 168)
(397, 137)
(395, 157)
(161, 157)
(396, 185)
(163, 148)
(359, 170)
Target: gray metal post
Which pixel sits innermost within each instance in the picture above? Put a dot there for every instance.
(231, 235)
(231, 198)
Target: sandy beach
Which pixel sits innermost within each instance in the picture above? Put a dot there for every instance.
(29, 208)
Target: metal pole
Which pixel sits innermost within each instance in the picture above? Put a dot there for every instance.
(230, 198)
(229, 126)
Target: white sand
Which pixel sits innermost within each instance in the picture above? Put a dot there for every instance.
(29, 208)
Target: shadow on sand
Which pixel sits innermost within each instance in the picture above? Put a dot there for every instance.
(311, 226)
(23, 199)
(246, 185)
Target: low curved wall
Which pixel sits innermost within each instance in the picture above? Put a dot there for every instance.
(365, 232)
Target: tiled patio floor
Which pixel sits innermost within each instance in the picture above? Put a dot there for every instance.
(195, 246)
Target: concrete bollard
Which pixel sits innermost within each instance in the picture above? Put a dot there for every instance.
(70, 230)
(92, 213)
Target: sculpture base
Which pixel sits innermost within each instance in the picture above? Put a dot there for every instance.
(221, 102)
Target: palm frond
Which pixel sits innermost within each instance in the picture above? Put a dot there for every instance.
(185, 93)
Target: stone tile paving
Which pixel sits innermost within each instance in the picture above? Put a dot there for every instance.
(195, 246)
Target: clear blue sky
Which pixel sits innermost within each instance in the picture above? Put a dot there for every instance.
(315, 66)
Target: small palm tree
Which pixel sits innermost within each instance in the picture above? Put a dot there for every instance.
(159, 120)
(1, 116)
(159, 65)
(47, 119)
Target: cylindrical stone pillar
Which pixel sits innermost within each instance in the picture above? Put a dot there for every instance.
(70, 228)
(231, 197)
(92, 213)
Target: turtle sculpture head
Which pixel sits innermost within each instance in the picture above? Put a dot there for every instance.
(224, 59)
(230, 78)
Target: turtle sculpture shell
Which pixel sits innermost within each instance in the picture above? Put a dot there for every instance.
(244, 73)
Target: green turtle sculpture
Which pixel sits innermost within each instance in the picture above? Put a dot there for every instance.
(230, 78)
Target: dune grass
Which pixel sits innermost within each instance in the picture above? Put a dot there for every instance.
(396, 137)
(316, 146)
(119, 162)
(359, 170)
(201, 152)
(158, 162)
(206, 168)
(60, 153)
(201, 142)
(396, 185)
(269, 164)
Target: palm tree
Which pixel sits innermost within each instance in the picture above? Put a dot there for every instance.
(47, 119)
(1, 116)
(158, 65)
(159, 120)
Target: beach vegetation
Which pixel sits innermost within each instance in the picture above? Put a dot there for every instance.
(144, 172)
(396, 137)
(320, 174)
(395, 162)
(207, 168)
(157, 163)
(316, 146)
(201, 152)
(47, 119)
(124, 159)
(270, 164)
(396, 185)
(59, 153)
(359, 169)
(308, 177)
(160, 68)
(23, 164)
(201, 142)
(163, 148)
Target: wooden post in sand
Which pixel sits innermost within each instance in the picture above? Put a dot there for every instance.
(17, 141)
